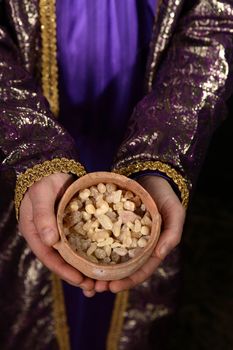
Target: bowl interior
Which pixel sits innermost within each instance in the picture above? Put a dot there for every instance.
(123, 183)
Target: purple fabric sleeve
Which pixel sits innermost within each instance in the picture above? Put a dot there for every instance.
(136, 176)
(175, 122)
(29, 134)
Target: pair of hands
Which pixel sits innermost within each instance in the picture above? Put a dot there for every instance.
(37, 223)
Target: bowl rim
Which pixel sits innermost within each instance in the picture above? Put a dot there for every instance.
(124, 183)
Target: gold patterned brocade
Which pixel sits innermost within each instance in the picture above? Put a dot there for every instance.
(117, 320)
(160, 37)
(49, 53)
(26, 300)
(59, 311)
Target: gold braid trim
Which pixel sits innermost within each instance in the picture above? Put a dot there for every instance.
(49, 72)
(117, 320)
(162, 167)
(61, 328)
(151, 71)
(49, 167)
(49, 53)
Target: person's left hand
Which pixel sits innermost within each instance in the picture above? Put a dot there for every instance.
(173, 216)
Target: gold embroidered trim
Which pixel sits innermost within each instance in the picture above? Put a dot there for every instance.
(59, 313)
(117, 320)
(49, 53)
(49, 167)
(49, 72)
(164, 168)
(151, 70)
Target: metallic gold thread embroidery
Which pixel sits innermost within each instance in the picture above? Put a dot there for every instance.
(162, 167)
(117, 320)
(50, 90)
(47, 168)
(49, 53)
(159, 42)
(61, 327)
(151, 69)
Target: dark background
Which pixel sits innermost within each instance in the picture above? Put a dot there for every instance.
(204, 320)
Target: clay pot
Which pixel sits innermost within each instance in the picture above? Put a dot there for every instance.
(100, 271)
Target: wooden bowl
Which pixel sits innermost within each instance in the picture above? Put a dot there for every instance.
(99, 271)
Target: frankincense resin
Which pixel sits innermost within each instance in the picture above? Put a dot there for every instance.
(108, 224)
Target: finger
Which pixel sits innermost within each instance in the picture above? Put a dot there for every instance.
(138, 277)
(88, 284)
(47, 255)
(101, 286)
(171, 210)
(173, 221)
(25, 214)
(89, 294)
(52, 259)
(43, 201)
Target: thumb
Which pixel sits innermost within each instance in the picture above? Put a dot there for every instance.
(173, 220)
(43, 200)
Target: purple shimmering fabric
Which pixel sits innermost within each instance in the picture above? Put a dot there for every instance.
(192, 61)
(26, 121)
(175, 122)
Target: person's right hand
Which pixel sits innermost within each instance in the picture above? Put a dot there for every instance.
(37, 224)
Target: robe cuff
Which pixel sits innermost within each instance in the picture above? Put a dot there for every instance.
(140, 174)
(49, 167)
(163, 168)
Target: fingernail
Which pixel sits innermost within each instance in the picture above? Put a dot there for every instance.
(163, 251)
(83, 288)
(48, 236)
(89, 294)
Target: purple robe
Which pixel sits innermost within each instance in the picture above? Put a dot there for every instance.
(189, 78)
(102, 52)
